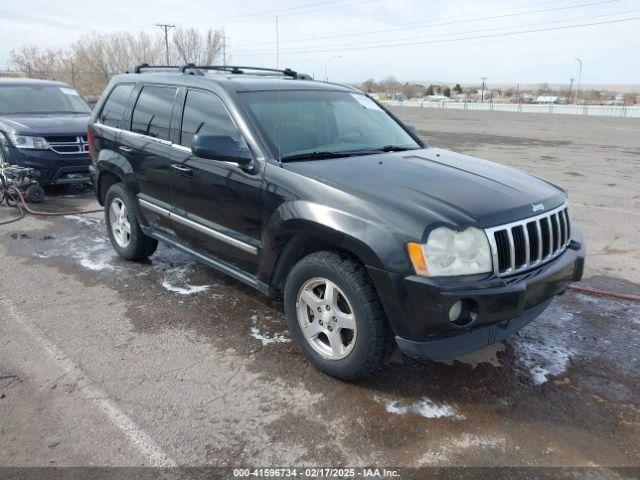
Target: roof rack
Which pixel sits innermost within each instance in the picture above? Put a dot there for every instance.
(234, 69)
(146, 66)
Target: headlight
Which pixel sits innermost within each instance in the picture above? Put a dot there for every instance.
(448, 253)
(31, 143)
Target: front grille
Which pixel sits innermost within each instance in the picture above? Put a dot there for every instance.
(68, 145)
(525, 244)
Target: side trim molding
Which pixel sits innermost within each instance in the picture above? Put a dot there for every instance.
(201, 228)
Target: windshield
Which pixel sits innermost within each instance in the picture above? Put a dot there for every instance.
(31, 99)
(314, 124)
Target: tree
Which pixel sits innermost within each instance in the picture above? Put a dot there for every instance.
(191, 46)
(447, 92)
(543, 89)
(390, 86)
(429, 91)
(370, 86)
(410, 90)
(457, 89)
(37, 63)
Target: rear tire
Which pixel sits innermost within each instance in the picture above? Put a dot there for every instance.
(353, 309)
(123, 227)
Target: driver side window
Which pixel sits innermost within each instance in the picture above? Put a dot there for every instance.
(205, 113)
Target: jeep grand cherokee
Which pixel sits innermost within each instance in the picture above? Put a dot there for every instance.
(315, 191)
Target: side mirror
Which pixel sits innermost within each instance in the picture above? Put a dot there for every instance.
(220, 147)
(412, 128)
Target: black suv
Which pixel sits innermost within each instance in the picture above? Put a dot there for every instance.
(43, 125)
(315, 191)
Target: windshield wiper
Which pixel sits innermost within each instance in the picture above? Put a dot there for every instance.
(395, 148)
(320, 155)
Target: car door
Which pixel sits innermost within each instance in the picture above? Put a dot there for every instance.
(217, 204)
(147, 146)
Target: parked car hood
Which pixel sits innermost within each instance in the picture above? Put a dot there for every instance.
(446, 186)
(45, 124)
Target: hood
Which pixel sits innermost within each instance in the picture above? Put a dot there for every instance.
(45, 124)
(439, 185)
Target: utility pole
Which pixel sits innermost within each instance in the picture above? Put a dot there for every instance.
(517, 93)
(224, 48)
(484, 82)
(579, 78)
(571, 80)
(166, 28)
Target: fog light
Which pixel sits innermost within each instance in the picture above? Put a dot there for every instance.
(455, 311)
(464, 312)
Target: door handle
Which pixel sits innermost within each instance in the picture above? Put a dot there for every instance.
(124, 149)
(184, 171)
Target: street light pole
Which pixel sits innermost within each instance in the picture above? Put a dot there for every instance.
(571, 80)
(579, 78)
(326, 79)
(484, 81)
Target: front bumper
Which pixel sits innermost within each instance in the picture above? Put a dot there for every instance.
(54, 169)
(418, 307)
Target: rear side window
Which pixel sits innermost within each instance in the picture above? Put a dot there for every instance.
(114, 107)
(205, 113)
(152, 113)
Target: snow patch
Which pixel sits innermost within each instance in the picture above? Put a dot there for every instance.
(83, 219)
(175, 281)
(543, 348)
(425, 407)
(263, 337)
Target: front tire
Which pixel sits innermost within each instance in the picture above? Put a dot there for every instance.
(123, 227)
(335, 316)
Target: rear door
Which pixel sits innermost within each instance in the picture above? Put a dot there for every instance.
(111, 120)
(147, 146)
(218, 204)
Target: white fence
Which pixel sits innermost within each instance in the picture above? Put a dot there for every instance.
(595, 110)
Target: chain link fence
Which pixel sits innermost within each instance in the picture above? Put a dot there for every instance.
(593, 110)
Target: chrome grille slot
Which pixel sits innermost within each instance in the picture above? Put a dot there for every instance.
(67, 145)
(528, 243)
(517, 233)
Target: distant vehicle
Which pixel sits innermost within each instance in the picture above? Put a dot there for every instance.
(315, 191)
(43, 125)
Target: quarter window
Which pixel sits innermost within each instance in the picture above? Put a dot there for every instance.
(152, 113)
(113, 110)
(205, 113)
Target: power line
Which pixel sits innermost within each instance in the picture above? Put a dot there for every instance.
(270, 13)
(420, 25)
(428, 42)
(448, 34)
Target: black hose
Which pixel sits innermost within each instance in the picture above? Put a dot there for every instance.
(7, 222)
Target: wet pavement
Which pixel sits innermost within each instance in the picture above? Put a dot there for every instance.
(169, 362)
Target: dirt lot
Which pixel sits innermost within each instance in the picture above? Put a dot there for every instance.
(104, 362)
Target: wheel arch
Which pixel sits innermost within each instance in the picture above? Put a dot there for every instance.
(113, 168)
(304, 228)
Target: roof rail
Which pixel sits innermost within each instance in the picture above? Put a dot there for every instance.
(236, 69)
(146, 66)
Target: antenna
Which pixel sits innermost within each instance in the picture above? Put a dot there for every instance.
(277, 44)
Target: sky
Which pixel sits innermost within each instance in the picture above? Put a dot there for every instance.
(507, 41)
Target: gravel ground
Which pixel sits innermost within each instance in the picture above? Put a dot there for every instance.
(167, 362)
